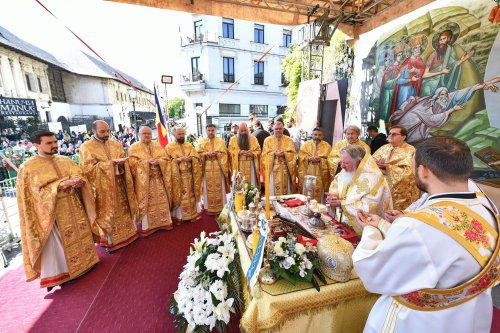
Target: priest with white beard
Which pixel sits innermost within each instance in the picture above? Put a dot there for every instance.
(360, 185)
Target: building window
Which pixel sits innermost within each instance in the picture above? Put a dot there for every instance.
(258, 72)
(259, 110)
(195, 69)
(228, 69)
(198, 34)
(56, 86)
(280, 109)
(287, 38)
(117, 96)
(30, 82)
(42, 84)
(258, 33)
(284, 82)
(228, 28)
(229, 109)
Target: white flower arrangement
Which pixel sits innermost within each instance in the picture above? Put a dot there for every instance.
(209, 287)
(292, 260)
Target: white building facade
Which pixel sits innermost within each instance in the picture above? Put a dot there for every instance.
(221, 52)
(67, 95)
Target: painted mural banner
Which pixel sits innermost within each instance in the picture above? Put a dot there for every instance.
(439, 74)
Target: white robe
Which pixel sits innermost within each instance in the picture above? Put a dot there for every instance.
(410, 255)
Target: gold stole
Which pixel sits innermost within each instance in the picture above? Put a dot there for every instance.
(280, 176)
(472, 232)
(213, 182)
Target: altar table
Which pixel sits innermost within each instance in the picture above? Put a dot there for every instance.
(284, 307)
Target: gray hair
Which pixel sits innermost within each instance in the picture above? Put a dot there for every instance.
(144, 127)
(438, 92)
(355, 152)
(353, 128)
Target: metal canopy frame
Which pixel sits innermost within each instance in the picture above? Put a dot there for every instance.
(357, 16)
(351, 11)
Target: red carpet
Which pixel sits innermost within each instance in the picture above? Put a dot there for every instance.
(127, 291)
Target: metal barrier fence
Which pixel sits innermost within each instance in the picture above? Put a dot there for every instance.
(9, 218)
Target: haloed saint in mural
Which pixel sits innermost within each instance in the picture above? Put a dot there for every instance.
(438, 75)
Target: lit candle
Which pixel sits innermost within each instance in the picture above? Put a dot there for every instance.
(255, 238)
(267, 177)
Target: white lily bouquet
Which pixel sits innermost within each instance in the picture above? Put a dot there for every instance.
(293, 261)
(210, 285)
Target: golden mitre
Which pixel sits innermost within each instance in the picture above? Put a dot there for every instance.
(335, 254)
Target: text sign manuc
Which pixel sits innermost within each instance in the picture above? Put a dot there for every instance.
(17, 107)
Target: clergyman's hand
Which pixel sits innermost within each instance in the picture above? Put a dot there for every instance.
(391, 215)
(76, 182)
(365, 219)
(120, 161)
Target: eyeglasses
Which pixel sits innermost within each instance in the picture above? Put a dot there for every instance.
(393, 134)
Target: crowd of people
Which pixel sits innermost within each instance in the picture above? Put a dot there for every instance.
(117, 195)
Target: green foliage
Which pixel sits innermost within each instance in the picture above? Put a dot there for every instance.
(292, 68)
(8, 124)
(339, 59)
(338, 63)
(176, 107)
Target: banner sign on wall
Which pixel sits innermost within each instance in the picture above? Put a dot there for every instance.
(17, 107)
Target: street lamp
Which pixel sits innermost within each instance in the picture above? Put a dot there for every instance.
(133, 97)
(166, 79)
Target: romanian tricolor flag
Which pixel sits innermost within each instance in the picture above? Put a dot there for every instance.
(161, 123)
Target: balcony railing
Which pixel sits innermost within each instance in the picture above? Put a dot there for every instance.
(193, 78)
(206, 37)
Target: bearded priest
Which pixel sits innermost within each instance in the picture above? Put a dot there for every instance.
(154, 190)
(279, 158)
(215, 170)
(104, 164)
(313, 161)
(56, 213)
(360, 185)
(188, 177)
(244, 153)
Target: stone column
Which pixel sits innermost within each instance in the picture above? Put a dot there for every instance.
(17, 73)
(7, 79)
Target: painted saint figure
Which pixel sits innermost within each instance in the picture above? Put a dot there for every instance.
(442, 60)
(419, 114)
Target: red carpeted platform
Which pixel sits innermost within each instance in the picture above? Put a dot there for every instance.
(127, 291)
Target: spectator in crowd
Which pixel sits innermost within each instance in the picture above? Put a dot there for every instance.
(252, 118)
(378, 139)
(259, 132)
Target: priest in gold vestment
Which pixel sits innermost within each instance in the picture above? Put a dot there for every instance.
(151, 170)
(57, 213)
(360, 185)
(104, 164)
(187, 178)
(395, 159)
(279, 158)
(215, 170)
(352, 138)
(244, 155)
(313, 161)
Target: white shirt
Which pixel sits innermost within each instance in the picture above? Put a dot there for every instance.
(410, 255)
